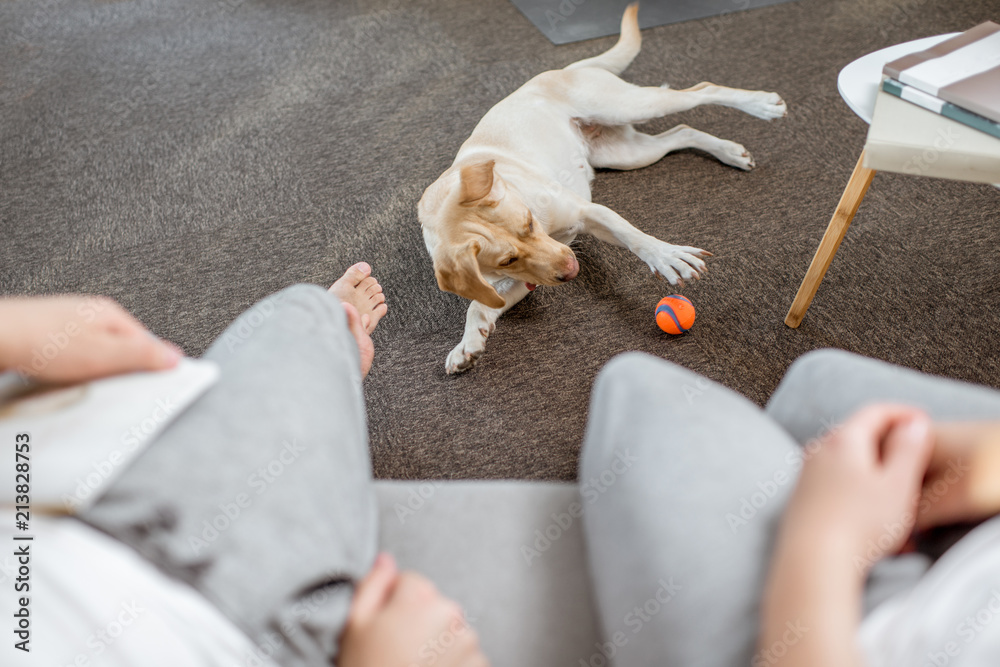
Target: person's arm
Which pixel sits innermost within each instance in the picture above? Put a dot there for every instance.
(963, 477)
(855, 502)
(64, 339)
(813, 606)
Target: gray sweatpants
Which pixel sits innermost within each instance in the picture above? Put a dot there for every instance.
(679, 543)
(260, 494)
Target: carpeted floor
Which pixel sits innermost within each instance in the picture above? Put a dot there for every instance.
(188, 158)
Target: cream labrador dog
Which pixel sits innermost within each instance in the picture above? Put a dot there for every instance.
(498, 221)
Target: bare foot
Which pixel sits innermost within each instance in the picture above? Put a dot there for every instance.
(365, 345)
(358, 288)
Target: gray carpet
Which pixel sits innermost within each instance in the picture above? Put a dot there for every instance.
(187, 158)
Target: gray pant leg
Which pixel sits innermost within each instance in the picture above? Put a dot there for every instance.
(683, 483)
(260, 495)
(823, 388)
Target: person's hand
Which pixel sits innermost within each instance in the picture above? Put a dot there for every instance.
(858, 491)
(963, 476)
(855, 502)
(400, 620)
(66, 339)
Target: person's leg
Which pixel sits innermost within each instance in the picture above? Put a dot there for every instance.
(683, 483)
(824, 387)
(260, 495)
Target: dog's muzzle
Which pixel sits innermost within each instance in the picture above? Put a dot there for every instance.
(572, 270)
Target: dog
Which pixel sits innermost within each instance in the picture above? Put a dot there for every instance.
(498, 221)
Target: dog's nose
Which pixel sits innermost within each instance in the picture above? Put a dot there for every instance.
(573, 268)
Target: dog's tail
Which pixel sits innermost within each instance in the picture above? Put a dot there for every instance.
(619, 56)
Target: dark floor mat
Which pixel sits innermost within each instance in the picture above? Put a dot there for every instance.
(566, 21)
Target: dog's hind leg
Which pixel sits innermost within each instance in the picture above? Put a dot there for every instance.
(598, 96)
(624, 147)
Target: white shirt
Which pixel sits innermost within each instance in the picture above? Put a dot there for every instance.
(95, 601)
(951, 618)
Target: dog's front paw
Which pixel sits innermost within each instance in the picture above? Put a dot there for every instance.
(735, 155)
(677, 263)
(767, 106)
(464, 356)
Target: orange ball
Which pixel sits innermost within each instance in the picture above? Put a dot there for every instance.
(675, 314)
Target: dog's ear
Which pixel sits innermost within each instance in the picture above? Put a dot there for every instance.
(480, 186)
(457, 271)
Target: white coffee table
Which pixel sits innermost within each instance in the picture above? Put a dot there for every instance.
(858, 84)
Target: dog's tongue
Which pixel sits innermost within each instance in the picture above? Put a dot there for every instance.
(531, 288)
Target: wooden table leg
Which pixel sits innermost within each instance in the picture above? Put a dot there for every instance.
(841, 220)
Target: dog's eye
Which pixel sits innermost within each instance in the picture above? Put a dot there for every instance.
(508, 262)
(531, 224)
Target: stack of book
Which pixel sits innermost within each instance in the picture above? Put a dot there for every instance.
(938, 111)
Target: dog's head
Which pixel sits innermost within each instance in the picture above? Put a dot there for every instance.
(484, 230)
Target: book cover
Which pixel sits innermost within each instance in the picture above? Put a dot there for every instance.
(963, 70)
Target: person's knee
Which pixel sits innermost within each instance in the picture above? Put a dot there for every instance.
(624, 366)
(320, 303)
(822, 363)
(819, 376)
(274, 312)
(628, 389)
(302, 293)
(635, 369)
